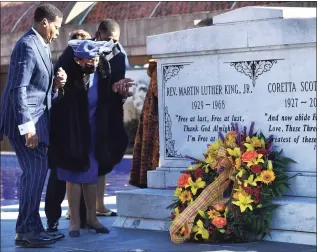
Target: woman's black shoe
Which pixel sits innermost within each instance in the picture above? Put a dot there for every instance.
(100, 230)
(74, 233)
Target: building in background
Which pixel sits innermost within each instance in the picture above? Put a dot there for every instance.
(136, 19)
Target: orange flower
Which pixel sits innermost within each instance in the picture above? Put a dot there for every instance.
(219, 207)
(249, 156)
(237, 163)
(219, 222)
(183, 180)
(186, 231)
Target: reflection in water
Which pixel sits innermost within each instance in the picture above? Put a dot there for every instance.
(9, 183)
(117, 180)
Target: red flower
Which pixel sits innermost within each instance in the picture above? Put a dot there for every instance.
(233, 207)
(211, 229)
(198, 173)
(256, 168)
(257, 200)
(172, 216)
(262, 151)
(248, 189)
(228, 231)
(256, 192)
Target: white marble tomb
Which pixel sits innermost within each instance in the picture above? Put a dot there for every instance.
(254, 64)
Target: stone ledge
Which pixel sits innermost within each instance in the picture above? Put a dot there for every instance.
(255, 13)
(144, 203)
(234, 36)
(140, 223)
(164, 225)
(152, 203)
(293, 237)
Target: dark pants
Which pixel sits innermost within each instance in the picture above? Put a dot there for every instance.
(34, 169)
(55, 194)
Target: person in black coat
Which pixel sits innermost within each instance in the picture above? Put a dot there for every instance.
(70, 128)
(107, 30)
(56, 189)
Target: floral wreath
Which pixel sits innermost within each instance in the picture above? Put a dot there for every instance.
(228, 195)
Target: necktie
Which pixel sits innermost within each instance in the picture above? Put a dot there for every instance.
(48, 51)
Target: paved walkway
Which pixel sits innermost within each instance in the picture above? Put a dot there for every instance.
(129, 240)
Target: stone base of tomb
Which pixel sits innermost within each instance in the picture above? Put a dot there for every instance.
(293, 222)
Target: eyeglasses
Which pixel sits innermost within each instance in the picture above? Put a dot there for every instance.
(106, 39)
(92, 61)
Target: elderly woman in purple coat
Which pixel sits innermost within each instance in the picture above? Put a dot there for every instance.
(87, 132)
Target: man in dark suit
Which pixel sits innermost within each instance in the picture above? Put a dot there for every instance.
(24, 110)
(108, 30)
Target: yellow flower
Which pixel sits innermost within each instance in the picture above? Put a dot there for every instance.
(236, 152)
(267, 176)
(230, 140)
(235, 195)
(196, 185)
(263, 143)
(215, 146)
(176, 211)
(190, 168)
(239, 175)
(210, 159)
(226, 211)
(239, 192)
(213, 214)
(185, 196)
(255, 141)
(255, 161)
(251, 181)
(270, 165)
(244, 202)
(199, 229)
(249, 146)
(177, 192)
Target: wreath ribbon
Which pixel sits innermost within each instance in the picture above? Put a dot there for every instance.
(211, 195)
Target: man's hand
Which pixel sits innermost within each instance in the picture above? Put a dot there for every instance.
(60, 79)
(31, 140)
(122, 87)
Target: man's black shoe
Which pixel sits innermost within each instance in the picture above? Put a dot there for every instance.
(52, 227)
(32, 240)
(54, 236)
